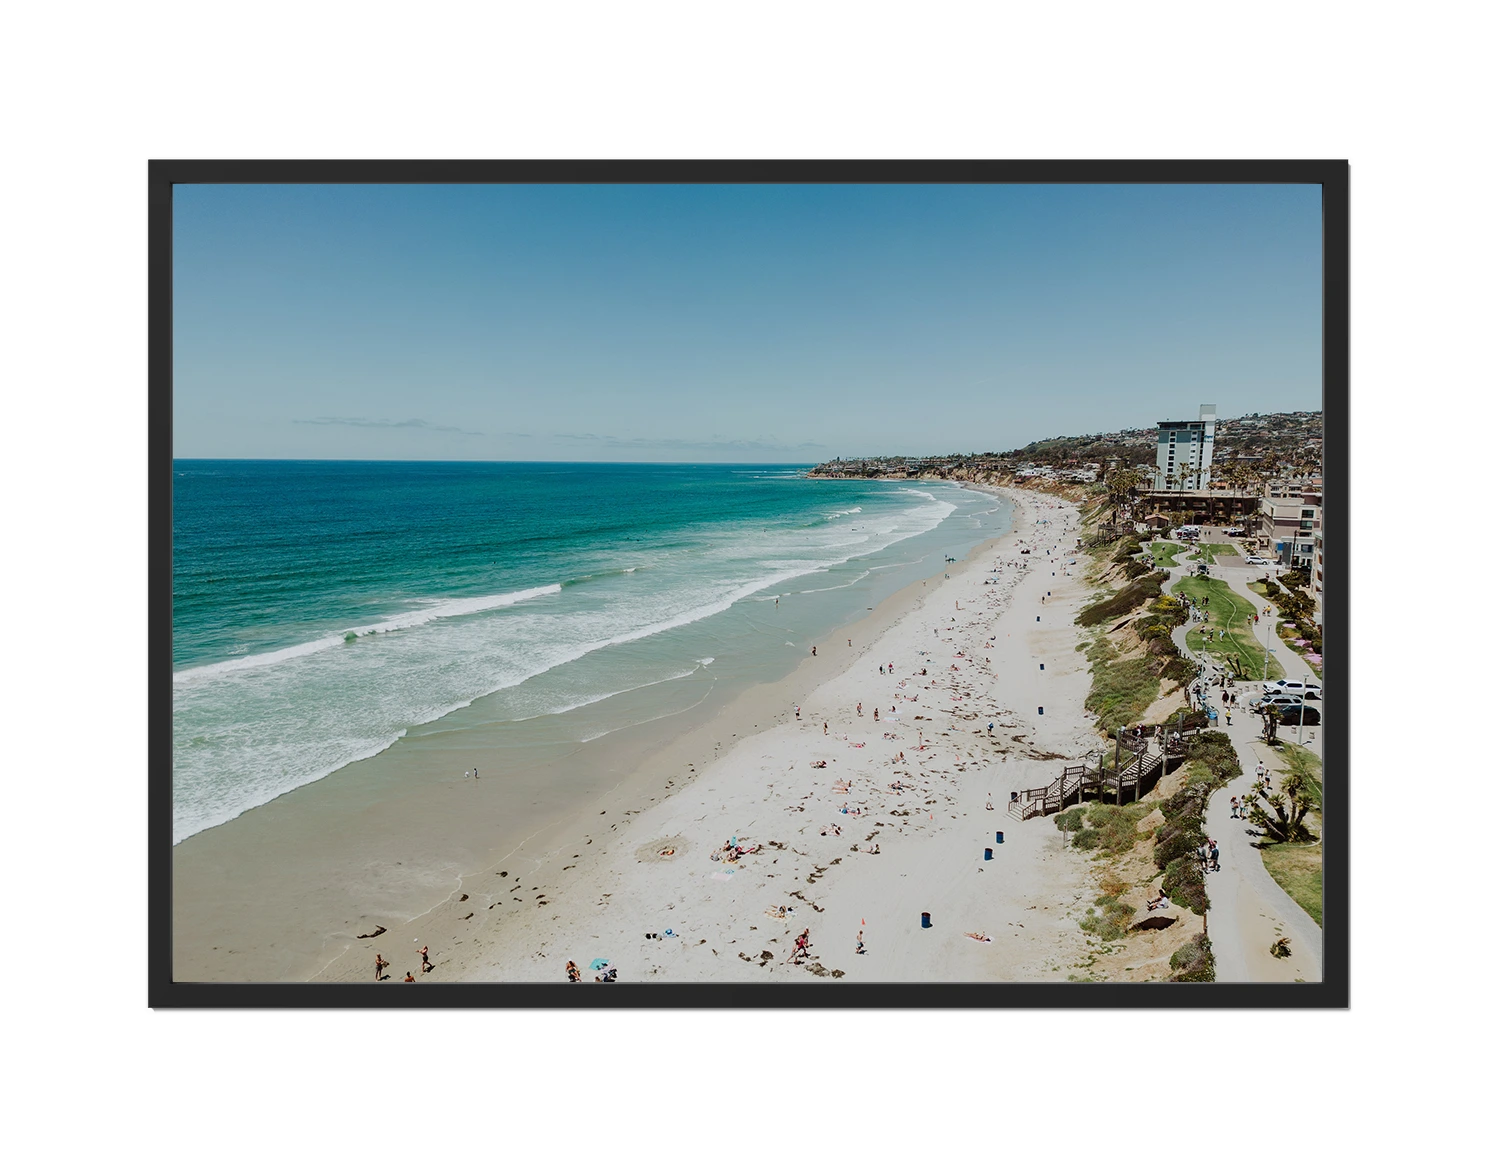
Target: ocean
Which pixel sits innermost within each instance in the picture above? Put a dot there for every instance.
(324, 610)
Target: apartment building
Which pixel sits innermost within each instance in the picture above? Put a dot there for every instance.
(1185, 452)
(1290, 527)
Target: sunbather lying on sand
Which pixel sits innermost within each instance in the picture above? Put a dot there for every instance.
(978, 937)
(826, 829)
(820, 763)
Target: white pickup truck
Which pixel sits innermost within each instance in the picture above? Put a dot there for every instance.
(1295, 688)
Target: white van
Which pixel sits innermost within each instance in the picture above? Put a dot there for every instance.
(1294, 687)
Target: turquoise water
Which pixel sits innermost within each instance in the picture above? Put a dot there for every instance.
(323, 610)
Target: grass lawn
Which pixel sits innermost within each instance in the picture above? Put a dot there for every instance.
(1165, 552)
(1291, 754)
(1228, 611)
(1298, 869)
(1221, 550)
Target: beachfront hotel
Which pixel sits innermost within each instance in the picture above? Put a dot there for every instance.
(1185, 452)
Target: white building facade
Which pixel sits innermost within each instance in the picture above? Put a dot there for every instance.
(1185, 452)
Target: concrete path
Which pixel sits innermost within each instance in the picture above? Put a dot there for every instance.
(1293, 665)
(1248, 911)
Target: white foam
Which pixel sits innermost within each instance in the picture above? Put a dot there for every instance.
(458, 607)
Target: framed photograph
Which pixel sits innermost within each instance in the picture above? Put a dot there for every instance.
(883, 584)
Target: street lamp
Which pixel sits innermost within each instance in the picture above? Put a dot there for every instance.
(1265, 670)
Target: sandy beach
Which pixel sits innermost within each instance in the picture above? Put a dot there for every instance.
(894, 827)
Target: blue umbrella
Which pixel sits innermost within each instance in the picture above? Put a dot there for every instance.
(598, 963)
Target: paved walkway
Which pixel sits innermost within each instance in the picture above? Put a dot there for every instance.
(1248, 910)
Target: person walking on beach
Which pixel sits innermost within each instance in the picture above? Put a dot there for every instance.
(426, 962)
(859, 943)
(815, 652)
(825, 729)
(380, 965)
(859, 709)
(410, 978)
(797, 707)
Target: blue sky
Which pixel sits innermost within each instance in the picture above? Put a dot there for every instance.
(747, 324)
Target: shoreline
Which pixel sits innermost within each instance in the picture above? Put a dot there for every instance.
(584, 875)
(282, 891)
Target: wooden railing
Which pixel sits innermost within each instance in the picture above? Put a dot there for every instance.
(1104, 780)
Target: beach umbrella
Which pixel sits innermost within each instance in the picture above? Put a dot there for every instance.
(598, 963)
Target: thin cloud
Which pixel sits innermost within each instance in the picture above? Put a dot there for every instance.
(411, 424)
(735, 445)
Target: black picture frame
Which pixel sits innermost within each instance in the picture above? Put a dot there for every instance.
(1332, 176)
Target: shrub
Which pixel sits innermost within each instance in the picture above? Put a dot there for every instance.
(1177, 839)
(1128, 599)
(1193, 962)
(1122, 689)
(1180, 670)
(1183, 883)
(1213, 750)
(1111, 828)
(1111, 922)
(1070, 821)
(1134, 569)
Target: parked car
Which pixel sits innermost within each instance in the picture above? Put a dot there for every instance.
(1297, 714)
(1295, 687)
(1256, 561)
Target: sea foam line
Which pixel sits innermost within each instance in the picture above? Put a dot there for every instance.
(402, 621)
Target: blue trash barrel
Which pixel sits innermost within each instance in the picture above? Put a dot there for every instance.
(989, 855)
(926, 919)
(1039, 711)
(999, 838)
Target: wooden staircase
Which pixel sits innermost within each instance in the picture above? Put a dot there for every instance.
(1078, 780)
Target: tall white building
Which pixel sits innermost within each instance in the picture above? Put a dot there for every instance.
(1185, 452)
